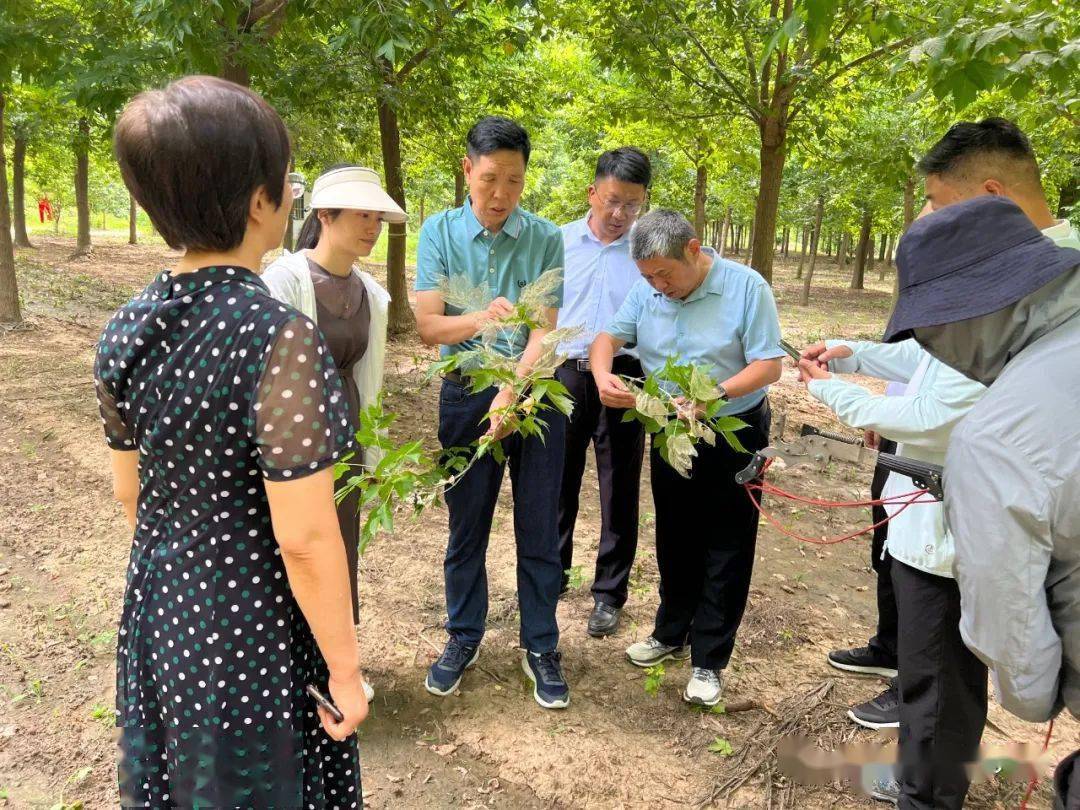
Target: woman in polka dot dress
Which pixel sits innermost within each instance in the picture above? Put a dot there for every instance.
(225, 415)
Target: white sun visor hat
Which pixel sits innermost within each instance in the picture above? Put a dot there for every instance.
(355, 189)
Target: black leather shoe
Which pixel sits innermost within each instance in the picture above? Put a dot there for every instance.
(604, 620)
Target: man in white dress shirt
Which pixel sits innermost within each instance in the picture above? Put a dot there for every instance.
(598, 275)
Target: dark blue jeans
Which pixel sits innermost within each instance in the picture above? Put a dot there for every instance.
(535, 476)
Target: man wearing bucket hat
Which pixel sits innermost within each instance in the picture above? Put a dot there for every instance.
(982, 290)
(939, 700)
(323, 280)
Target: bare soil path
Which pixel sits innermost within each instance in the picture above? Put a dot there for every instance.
(64, 547)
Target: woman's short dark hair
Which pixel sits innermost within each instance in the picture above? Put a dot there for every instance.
(995, 141)
(627, 163)
(194, 153)
(492, 133)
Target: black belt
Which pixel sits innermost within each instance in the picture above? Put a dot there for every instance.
(623, 361)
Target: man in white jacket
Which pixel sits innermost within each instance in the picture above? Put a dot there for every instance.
(942, 685)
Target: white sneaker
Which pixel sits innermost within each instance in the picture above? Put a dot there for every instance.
(705, 687)
(650, 652)
(369, 693)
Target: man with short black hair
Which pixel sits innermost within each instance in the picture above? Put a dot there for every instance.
(490, 242)
(599, 273)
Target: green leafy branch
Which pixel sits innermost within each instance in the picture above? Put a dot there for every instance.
(407, 474)
(679, 405)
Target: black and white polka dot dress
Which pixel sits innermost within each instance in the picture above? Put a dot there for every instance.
(218, 386)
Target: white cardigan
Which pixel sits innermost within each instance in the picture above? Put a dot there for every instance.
(289, 280)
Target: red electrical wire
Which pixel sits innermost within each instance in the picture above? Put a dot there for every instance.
(903, 501)
(1035, 779)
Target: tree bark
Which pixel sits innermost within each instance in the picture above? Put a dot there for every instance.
(858, 276)
(804, 299)
(784, 242)
(1069, 196)
(459, 187)
(421, 210)
(401, 315)
(9, 288)
(133, 220)
(18, 192)
(725, 226)
(870, 255)
(842, 251)
(889, 250)
(802, 251)
(909, 202)
(771, 158)
(82, 188)
(700, 185)
(883, 242)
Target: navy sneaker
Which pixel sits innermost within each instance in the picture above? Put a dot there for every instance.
(446, 673)
(549, 685)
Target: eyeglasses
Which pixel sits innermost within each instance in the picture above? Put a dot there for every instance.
(630, 209)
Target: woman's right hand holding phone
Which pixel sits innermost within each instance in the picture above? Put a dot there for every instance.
(347, 693)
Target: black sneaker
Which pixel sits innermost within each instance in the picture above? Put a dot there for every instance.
(549, 685)
(880, 712)
(863, 660)
(604, 620)
(446, 673)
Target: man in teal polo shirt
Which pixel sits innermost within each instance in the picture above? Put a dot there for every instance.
(702, 309)
(491, 242)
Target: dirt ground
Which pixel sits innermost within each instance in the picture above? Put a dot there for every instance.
(64, 547)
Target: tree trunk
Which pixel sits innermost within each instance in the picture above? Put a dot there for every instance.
(784, 242)
(401, 315)
(233, 70)
(18, 192)
(881, 247)
(459, 187)
(870, 252)
(82, 188)
(842, 251)
(802, 251)
(771, 157)
(889, 250)
(9, 289)
(858, 277)
(909, 202)
(699, 200)
(1069, 196)
(421, 210)
(133, 222)
(725, 226)
(738, 240)
(804, 299)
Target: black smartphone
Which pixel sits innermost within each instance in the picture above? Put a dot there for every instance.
(792, 352)
(325, 702)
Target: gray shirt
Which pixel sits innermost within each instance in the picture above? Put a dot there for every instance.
(1012, 478)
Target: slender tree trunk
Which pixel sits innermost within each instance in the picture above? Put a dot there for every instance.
(421, 210)
(750, 241)
(9, 289)
(771, 157)
(738, 240)
(859, 275)
(909, 202)
(18, 192)
(870, 252)
(401, 315)
(784, 242)
(83, 247)
(133, 221)
(802, 251)
(804, 299)
(1069, 196)
(842, 251)
(889, 250)
(459, 186)
(725, 226)
(881, 247)
(700, 185)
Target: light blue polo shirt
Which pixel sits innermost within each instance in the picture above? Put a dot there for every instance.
(454, 242)
(597, 279)
(728, 322)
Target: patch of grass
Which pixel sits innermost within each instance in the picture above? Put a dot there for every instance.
(575, 577)
(654, 677)
(105, 715)
(721, 746)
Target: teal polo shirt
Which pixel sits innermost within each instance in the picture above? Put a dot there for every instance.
(728, 322)
(453, 242)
